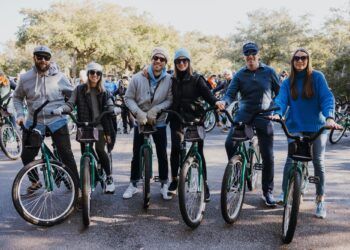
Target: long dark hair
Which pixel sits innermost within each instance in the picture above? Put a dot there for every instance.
(189, 70)
(308, 91)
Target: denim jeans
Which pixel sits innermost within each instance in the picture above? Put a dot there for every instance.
(264, 131)
(160, 140)
(319, 149)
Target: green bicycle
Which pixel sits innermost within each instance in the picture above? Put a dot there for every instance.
(52, 202)
(242, 168)
(91, 172)
(10, 139)
(191, 180)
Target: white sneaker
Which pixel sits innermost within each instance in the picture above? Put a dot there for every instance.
(130, 191)
(110, 187)
(164, 192)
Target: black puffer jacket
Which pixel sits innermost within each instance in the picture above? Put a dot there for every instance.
(188, 94)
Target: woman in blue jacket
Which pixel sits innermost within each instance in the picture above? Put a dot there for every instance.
(311, 106)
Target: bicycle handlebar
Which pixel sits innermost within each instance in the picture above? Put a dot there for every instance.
(180, 118)
(88, 124)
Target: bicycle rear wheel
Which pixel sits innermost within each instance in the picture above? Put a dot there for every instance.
(86, 191)
(232, 190)
(252, 172)
(291, 208)
(43, 206)
(146, 161)
(10, 141)
(191, 193)
(336, 135)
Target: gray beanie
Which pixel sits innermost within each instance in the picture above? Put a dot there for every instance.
(160, 51)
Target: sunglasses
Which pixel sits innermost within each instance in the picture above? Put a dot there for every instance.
(298, 58)
(183, 61)
(250, 52)
(41, 57)
(156, 58)
(94, 72)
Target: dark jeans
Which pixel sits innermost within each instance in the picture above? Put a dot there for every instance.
(102, 155)
(264, 131)
(127, 118)
(160, 141)
(177, 136)
(61, 139)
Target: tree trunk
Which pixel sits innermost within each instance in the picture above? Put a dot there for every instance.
(74, 64)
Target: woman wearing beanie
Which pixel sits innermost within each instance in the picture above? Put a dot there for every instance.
(188, 90)
(311, 106)
(91, 99)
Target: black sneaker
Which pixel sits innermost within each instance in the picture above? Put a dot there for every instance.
(269, 200)
(173, 187)
(206, 192)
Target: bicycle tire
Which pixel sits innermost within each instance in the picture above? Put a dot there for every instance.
(335, 138)
(191, 167)
(230, 209)
(7, 132)
(210, 121)
(252, 172)
(18, 198)
(86, 191)
(147, 177)
(291, 208)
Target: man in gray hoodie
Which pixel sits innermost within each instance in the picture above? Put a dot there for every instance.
(145, 97)
(44, 82)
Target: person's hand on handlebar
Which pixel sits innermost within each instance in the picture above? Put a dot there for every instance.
(274, 117)
(332, 124)
(141, 117)
(221, 105)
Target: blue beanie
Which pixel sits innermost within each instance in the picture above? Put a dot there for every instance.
(182, 52)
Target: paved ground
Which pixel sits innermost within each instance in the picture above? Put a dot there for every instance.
(123, 224)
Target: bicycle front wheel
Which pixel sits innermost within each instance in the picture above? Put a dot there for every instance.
(53, 198)
(10, 141)
(191, 193)
(210, 121)
(86, 191)
(146, 161)
(232, 190)
(291, 208)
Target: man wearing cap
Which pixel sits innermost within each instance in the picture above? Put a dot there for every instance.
(145, 97)
(44, 82)
(257, 84)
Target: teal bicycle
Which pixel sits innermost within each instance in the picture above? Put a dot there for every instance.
(57, 188)
(191, 180)
(242, 168)
(91, 172)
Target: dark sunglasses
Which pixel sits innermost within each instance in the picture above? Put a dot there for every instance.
(161, 59)
(41, 57)
(183, 61)
(250, 52)
(93, 72)
(298, 58)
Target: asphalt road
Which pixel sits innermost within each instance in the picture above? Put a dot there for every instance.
(123, 224)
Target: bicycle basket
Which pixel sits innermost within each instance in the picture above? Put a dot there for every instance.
(300, 151)
(147, 129)
(194, 133)
(87, 134)
(242, 133)
(32, 139)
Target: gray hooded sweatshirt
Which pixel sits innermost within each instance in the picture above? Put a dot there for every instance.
(36, 89)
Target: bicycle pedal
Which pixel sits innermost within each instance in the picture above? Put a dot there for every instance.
(156, 178)
(314, 179)
(258, 166)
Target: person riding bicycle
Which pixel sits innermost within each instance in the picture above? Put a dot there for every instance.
(44, 82)
(6, 85)
(257, 83)
(127, 118)
(188, 90)
(145, 98)
(91, 99)
(311, 106)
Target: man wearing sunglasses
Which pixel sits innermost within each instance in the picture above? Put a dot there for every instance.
(145, 97)
(44, 82)
(257, 84)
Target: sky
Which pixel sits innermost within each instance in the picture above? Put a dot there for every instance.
(212, 17)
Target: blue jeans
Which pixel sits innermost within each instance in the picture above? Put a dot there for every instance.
(319, 149)
(264, 131)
